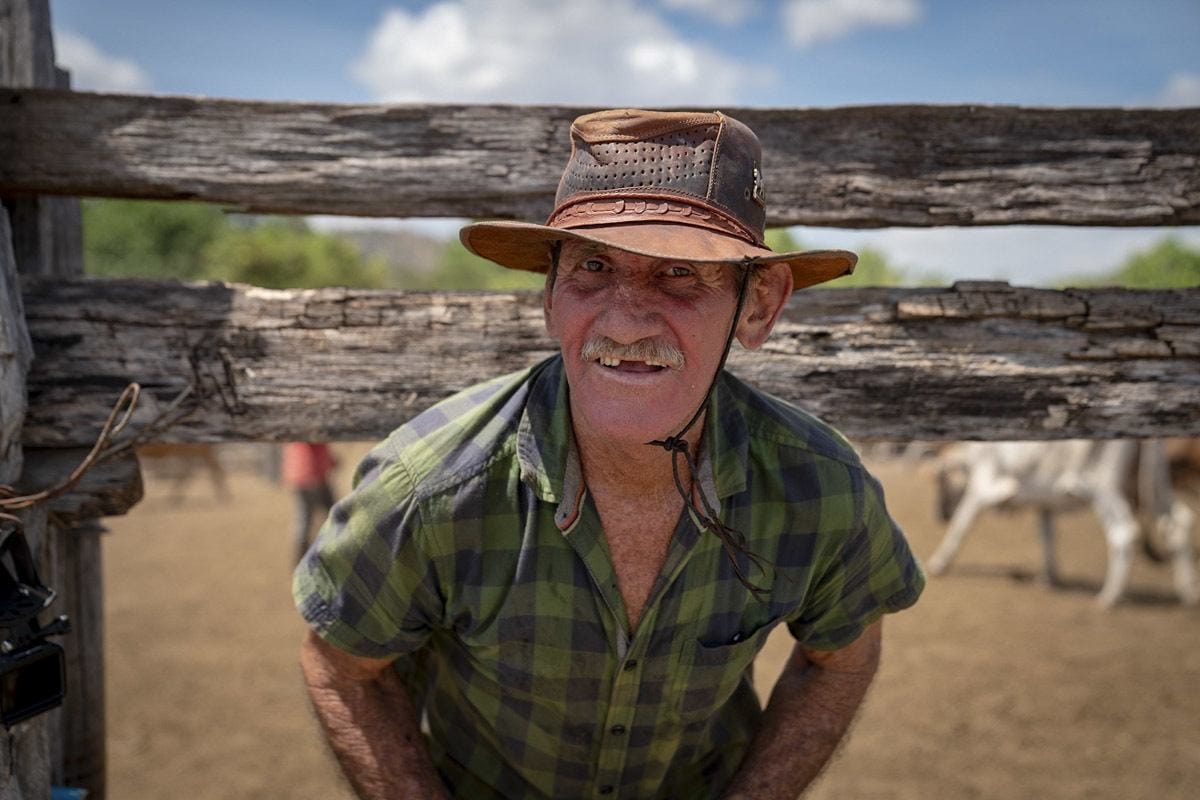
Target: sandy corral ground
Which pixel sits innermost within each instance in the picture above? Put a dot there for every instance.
(993, 686)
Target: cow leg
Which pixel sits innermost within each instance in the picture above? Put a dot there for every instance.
(960, 523)
(1178, 534)
(984, 489)
(1121, 530)
(1049, 555)
(179, 485)
(216, 473)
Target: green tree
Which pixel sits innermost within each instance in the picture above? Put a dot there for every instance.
(872, 269)
(459, 269)
(279, 254)
(1167, 265)
(139, 239)
(196, 241)
(781, 240)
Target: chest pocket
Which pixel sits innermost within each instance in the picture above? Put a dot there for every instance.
(710, 673)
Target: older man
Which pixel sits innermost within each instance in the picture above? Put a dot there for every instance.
(576, 613)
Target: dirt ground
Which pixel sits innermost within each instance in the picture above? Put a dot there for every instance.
(993, 686)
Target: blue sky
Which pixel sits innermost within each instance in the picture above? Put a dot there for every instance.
(706, 53)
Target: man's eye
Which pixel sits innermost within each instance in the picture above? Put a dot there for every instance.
(678, 272)
(593, 265)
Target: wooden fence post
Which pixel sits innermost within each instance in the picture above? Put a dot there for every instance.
(44, 238)
(78, 748)
(25, 768)
(25, 755)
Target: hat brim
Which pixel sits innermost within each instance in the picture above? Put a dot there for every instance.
(526, 246)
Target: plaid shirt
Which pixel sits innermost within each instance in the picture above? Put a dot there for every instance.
(470, 548)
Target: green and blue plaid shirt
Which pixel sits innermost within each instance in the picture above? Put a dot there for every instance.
(470, 549)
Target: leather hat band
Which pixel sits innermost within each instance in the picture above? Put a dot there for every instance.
(583, 212)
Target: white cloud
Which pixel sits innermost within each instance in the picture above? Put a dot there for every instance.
(1024, 255)
(808, 22)
(535, 51)
(1183, 89)
(93, 69)
(724, 12)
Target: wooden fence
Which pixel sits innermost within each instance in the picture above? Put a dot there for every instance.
(869, 166)
(977, 360)
(980, 360)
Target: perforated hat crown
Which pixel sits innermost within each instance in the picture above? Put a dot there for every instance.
(679, 185)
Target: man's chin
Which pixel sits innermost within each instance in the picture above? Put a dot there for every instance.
(628, 414)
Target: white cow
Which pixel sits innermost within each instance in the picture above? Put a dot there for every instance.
(1057, 476)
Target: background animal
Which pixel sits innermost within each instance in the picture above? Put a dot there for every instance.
(180, 461)
(1183, 457)
(1116, 479)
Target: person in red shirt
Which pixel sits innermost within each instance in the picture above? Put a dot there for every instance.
(306, 469)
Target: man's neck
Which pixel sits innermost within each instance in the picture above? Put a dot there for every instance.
(636, 469)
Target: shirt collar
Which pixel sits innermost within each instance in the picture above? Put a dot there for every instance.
(549, 461)
(724, 449)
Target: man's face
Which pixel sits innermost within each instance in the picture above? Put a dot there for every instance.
(641, 338)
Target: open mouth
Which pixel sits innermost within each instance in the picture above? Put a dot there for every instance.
(621, 365)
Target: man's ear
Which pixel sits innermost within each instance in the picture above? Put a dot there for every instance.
(766, 296)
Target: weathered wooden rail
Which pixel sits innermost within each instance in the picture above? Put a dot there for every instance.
(977, 361)
(869, 166)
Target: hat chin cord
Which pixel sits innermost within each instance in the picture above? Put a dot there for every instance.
(732, 541)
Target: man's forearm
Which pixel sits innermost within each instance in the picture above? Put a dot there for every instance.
(373, 729)
(809, 712)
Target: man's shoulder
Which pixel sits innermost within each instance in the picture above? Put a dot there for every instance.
(782, 424)
(460, 436)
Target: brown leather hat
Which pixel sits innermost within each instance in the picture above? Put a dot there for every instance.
(667, 184)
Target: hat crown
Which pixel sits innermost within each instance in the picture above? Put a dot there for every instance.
(676, 185)
(703, 159)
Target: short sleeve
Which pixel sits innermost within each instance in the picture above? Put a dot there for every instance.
(367, 585)
(864, 573)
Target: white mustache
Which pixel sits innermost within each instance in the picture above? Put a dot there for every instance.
(651, 351)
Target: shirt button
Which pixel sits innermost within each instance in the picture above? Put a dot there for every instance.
(617, 730)
(630, 666)
(606, 789)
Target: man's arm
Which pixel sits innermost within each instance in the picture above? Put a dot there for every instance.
(371, 723)
(808, 714)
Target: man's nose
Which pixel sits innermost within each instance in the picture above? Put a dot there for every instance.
(631, 314)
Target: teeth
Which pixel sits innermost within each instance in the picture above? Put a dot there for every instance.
(609, 361)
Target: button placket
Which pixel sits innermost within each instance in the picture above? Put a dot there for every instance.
(614, 746)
